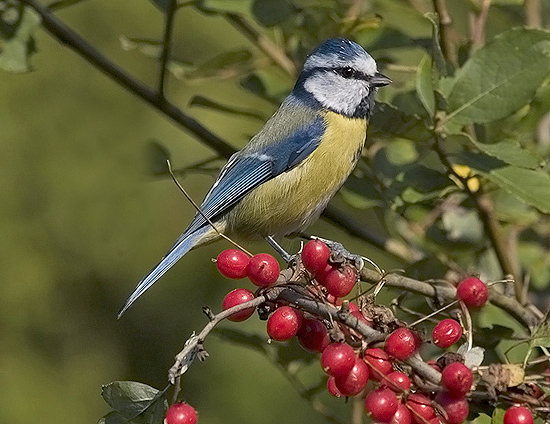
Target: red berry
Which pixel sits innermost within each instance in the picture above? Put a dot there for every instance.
(381, 404)
(321, 275)
(284, 323)
(313, 335)
(446, 333)
(263, 269)
(232, 263)
(401, 344)
(360, 317)
(473, 292)
(456, 408)
(332, 389)
(315, 255)
(396, 381)
(353, 307)
(402, 415)
(421, 408)
(236, 297)
(355, 381)
(339, 283)
(379, 363)
(338, 359)
(181, 413)
(518, 415)
(457, 378)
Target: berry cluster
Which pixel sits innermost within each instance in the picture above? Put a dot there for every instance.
(377, 372)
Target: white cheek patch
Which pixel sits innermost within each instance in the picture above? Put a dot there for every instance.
(337, 93)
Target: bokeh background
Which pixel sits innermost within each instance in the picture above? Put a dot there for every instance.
(82, 220)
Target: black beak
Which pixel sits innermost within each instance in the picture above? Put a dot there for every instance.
(379, 80)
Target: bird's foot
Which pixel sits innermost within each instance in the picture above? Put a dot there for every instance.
(339, 254)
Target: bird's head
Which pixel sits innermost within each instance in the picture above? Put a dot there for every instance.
(341, 76)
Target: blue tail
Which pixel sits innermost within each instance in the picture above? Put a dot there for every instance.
(184, 244)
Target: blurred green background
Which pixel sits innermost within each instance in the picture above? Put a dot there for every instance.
(82, 221)
(82, 218)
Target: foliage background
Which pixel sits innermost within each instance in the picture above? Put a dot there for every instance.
(82, 219)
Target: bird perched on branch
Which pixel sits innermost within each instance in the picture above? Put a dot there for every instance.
(283, 179)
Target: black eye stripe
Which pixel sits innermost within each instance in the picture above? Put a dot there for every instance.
(349, 73)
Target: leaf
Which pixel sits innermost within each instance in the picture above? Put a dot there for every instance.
(221, 62)
(210, 104)
(162, 5)
(388, 121)
(241, 7)
(509, 151)
(472, 357)
(498, 416)
(130, 399)
(542, 335)
(424, 85)
(113, 417)
(437, 52)
(16, 42)
(530, 186)
(500, 78)
(271, 12)
(462, 226)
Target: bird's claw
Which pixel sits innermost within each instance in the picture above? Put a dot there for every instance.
(339, 254)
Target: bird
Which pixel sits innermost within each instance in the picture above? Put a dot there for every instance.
(283, 178)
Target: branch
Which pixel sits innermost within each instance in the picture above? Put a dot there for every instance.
(72, 40)
(277, 55)
(533, 13)
(478, 23)
(447, 34)
(167, 44)
(448, 294)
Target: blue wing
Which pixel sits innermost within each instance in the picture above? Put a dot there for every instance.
(247, 169)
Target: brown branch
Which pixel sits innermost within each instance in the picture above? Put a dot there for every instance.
(167, 44)
(72, 40)
(478, 22)
(448, 294)
(270, 49)
(447, 34)
(533, 13)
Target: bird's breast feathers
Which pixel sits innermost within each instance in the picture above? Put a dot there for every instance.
(295, 198)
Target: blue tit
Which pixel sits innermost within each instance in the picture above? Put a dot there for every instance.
(282, 180)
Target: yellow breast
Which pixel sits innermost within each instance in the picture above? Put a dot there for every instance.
(294, 199)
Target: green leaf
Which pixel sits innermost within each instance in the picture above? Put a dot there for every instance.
(271, 12)
(241, 7)
(113, 417)
(16, 42)
(130, 399)
(511, 152)
(437, 52)
(541, 337)
(462, 226)
(162, 5)
(210, 104)
(500, 78)
(388, 121)
(529, 185)
(235, 59)
(424, 85)
(498, 416)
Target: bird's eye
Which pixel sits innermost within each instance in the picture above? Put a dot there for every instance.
(347, 72)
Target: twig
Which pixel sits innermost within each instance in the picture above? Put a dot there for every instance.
(167, 44)
(533, 13)
(491, 225)
(478, 23)
(192, 346)
(68, 37)
(522, 313)
(277, 55)
(446, 31)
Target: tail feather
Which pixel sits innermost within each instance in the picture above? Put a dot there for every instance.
(182, 246)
